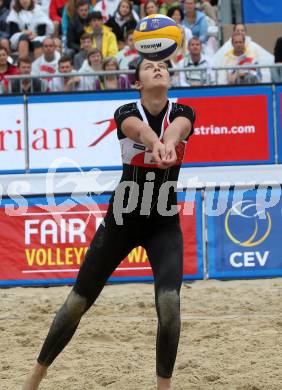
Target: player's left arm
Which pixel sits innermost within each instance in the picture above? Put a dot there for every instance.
(179, 129)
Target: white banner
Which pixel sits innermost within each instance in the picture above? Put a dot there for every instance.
(12, 139)
(73, 134)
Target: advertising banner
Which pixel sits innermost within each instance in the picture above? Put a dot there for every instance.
(258, 11)
(12, 136)
(244, 233)
(43, 240)
(233, 126)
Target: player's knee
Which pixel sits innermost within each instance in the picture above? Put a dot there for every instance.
(75, 305)
(168, 308)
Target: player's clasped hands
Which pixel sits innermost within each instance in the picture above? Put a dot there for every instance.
(164, 154)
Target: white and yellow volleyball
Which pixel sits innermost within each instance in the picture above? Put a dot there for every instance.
(156, 37)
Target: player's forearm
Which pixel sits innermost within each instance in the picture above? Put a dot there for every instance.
(140, 132)
(177, 131)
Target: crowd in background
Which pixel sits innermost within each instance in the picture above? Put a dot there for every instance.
(87, 36)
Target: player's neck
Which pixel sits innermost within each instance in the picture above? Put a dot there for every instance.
(153, 103)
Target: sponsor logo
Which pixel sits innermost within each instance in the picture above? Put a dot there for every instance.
(143, 26)
(152, 46)
(140, 147)
(155, 23)
(251, 219)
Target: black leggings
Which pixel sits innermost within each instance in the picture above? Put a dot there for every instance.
(162, 240)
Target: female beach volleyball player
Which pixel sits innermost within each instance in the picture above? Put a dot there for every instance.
(152, 133)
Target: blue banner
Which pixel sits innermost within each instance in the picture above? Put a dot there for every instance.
(244, 233)
(260, 11)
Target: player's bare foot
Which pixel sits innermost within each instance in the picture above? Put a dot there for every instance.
(163, 383)
(35, 377)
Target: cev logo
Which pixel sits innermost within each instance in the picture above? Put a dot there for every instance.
(242, 209)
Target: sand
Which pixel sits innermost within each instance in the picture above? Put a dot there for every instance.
(231, 337)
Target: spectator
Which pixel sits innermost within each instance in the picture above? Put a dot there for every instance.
(206, 7)
(56, 13)
(6, 69)
(107, 8)
(239, 56)
(85, 47)
(67, 83)
(103, 39)
(195, 60)
(179, 54)
(47, 62)
(128, 53)
(58, 45)
(91, 65)
(195, 20)
(276, 73)
(25, 85)
(122, 21)
(150, 8)
(77, 25)
(262, 55)
(230, 11)
(68, 12)
(177, 14)
(166, 5)
(4, 33)
(28, 26)
(111, 81)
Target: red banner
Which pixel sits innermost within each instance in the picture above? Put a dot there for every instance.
(229, 129)
(47, 243)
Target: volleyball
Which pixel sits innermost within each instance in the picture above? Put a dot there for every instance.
(156, 37)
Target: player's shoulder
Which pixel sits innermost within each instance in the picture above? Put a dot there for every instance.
(179, 109)
(127, 109)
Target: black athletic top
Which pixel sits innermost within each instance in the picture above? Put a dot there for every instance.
(156, 189)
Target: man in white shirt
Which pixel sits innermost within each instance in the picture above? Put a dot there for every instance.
(128, 53)
(47, 62)
(67, 83)
(195, 60)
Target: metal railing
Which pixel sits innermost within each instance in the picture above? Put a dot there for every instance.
(205, 76)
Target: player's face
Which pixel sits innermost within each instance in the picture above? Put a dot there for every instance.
(153, 74)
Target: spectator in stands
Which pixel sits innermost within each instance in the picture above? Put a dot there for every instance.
(122, 21)
(91, 65)
(111, 81)
(230, 11)
(77, 25)
(4, 33)
(68, 12)
(262, 56)
(195, 60)
(179, 54)
(6, 69)
(195, 20)
(47, 62)
(276, 73)
(28, 25)
(107, 8)
(85, 47)
(56, 13)
(58, 45)
(206, 7)
(239, 56)
(128, 53)
(150, 7)
(25, 85)
(103, 39)
(68, 83)
(177, 14)
(166, 5)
